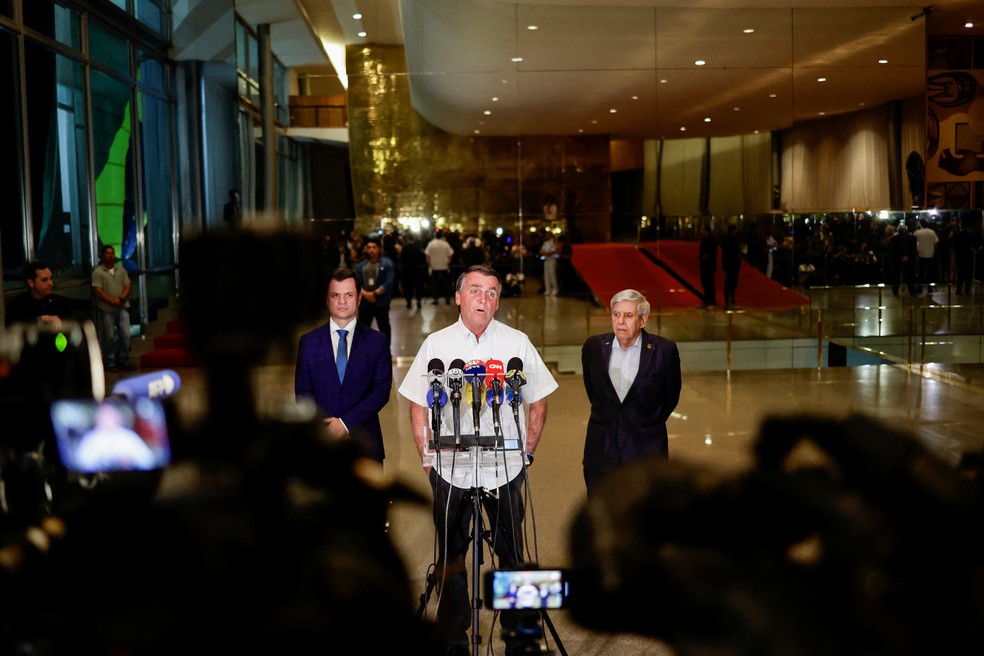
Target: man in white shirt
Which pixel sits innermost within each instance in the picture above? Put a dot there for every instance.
(926, 241)
(439, 253)
(498, 473)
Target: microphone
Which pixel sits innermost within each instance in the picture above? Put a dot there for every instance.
(475, 375)
(455, 381)
(515, 379)
(436, 396)
(157, 385)
(494, 371)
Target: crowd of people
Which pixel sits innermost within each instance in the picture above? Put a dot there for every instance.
(912, 254)
(427, 263)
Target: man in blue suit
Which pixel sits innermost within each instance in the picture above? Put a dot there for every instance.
(633, 383)
(344, 367)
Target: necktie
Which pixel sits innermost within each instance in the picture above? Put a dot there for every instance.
(341, 356)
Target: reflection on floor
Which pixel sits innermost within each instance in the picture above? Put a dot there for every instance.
(717, 420)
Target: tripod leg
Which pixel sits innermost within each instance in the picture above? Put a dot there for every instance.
(553, 632)
(476, 570)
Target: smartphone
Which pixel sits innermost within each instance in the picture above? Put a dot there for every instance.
(526, 589)
(111, 435)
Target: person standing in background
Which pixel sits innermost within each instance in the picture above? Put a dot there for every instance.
(439, 253)
(378, 277)
(926, 241)
(111, 286)
(707, 257)
(548, 251)
(413, 264)
(232, 212)
(731, 263)
(633, 383)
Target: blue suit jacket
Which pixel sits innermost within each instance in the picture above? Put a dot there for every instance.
(635, 427)
(368, 379)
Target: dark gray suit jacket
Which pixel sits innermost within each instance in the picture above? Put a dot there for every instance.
(636, 427)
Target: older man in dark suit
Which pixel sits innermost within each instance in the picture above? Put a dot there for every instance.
(633, 383)
(345, 368)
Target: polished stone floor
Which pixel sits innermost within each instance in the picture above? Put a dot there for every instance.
(714, 426)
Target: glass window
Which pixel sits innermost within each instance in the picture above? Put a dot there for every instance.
(150, 14)
(155, 142)
(12, 218)
(112, 155)
(280, 87)
(150, 72)
(54, 20)
(108, 49)
(58, 179)
(119, 3)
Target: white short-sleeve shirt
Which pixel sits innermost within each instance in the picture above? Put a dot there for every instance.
(499, 342)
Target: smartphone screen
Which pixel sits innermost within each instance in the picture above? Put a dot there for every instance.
(111, 435)
(526, 589)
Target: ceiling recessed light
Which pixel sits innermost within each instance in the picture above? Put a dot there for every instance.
(968, 25)
(532, 27)
(580, 130)
(772, 95)
(488, 112)
(478, 132)
(748, 30)
(612, 110)
(594, 121)
(635, 97)
(707, 119)
(683, 129)
(357, 16)
(699, 62)
(517, 59)
(821, 79)
(663, 81)
(822, 113)
(495, 98)
(362, 34)
(882, 61)
(505, 81)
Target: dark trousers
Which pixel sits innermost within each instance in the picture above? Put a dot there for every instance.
(730, 287)
(441, 284)
(413, 286)
(927, 270)
(453, 520)
(707, 282)
(369, 311)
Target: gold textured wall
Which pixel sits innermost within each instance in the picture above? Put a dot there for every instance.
(405, 170)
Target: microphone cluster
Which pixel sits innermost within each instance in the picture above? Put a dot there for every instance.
(480, 382)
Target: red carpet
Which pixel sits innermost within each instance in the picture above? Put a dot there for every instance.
(610, 268)
(172, 349)
(754, 289)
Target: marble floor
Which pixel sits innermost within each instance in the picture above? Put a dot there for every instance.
(714, 426)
